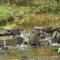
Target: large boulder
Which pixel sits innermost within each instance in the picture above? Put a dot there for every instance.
(56, 36)
(34, 39)
(19, 40)
(3, 32)
(15, 31)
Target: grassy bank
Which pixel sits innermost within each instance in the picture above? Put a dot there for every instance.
(41, 13)
(48, 19)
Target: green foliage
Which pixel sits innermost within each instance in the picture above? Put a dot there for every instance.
(30, 8)
(18, 1)
(38, 9)
(4, 14)
(53, 10)
(24, 10)
(24, 2)
(37, 6)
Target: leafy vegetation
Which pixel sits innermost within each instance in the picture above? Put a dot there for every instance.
(31, 12)
(4, 14)
(24, 10)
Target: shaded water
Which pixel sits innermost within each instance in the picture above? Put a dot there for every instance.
(30, 54)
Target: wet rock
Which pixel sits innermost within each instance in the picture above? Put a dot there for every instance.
(19, 40)
(15, 32)
(34, 39)
(56, 36)
(3, 32)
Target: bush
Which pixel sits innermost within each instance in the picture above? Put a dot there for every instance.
(24, 10)
(54, 10)
(5, 15)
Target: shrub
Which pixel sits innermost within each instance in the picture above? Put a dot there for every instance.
(24, 10)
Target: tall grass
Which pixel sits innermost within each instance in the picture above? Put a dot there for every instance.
(41, 13)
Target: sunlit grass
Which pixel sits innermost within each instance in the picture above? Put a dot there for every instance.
(48, 20)
(31, 19)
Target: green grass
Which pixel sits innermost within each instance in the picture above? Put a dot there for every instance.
(49, 19)
(5, 12)
(43, 13)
